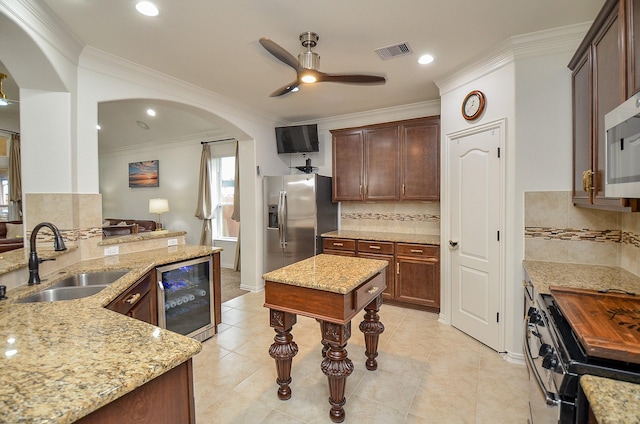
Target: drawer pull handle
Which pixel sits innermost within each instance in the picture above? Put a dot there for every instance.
(132, 299)
(338, 244)
(372, 290)
(416, 251)
(374, 247)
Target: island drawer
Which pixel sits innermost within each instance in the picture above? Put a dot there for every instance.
(417, 250)
(369, 291)
(338, 244)
(381, 247)
(135, 294)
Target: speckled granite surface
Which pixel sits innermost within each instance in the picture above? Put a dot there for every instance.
(580, 276)
(338, 274)
(149, 235)
(382, 236)
(19, 258)
(612, 401)
(63, 360)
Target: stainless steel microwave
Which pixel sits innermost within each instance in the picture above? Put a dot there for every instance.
(622, 170)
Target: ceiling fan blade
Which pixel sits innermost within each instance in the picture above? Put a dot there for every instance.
(286, 89)
(351, 78)
(280, 53)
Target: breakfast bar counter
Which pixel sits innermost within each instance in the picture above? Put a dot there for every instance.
(332, 289)
(64, 360)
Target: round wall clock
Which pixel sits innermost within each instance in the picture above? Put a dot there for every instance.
(473, 105)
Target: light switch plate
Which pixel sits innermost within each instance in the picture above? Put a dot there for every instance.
(111, 250)
(172, 242)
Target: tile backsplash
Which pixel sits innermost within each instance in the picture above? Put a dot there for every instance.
(557, 231)
(406, 218)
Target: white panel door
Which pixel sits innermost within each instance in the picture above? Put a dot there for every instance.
(475, 224)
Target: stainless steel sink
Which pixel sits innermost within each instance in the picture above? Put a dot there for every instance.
(63, 293)
(90, 279)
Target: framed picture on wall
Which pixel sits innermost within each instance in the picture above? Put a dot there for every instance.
(144, 174)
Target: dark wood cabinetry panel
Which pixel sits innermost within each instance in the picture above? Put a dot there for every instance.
(139, 301)
(168, 398)
(603, 76)
(382, 163)
(415, 282)
(420, 160)
(388, 162)
(383, 251)
(348, 166)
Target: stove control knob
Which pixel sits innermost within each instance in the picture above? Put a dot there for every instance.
(550, 362)
(545, 349)
(536, 318)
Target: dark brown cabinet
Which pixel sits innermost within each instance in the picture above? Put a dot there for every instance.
(387, 162)
(139, 301)
(413, 273)
(418, 275)
(601, 80)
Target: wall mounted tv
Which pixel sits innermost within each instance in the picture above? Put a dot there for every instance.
(297, 139)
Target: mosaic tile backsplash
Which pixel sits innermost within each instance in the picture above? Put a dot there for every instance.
(409, 218)
(557, 231)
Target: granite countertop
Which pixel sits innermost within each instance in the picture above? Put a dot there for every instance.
(382, 236)
(19, 258)
(63, 360)
(580, 276)
(146, 235)
(338, 274)
(612, 401)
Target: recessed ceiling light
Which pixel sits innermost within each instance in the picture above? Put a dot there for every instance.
(151, 112)
(147, 8)
(425, 58)
(142, 125)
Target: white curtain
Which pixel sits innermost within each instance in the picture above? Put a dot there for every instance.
(236, 207)
(207, 196)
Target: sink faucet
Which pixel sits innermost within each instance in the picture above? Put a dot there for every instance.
(34, 262)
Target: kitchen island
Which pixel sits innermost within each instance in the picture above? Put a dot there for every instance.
(332, 289)
(66, 360)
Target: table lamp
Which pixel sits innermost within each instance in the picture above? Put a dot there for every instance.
(158, 206)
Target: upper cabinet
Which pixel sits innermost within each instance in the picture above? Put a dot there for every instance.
(387, 162)
(603, 76)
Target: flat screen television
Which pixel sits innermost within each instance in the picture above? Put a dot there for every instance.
(297, 139)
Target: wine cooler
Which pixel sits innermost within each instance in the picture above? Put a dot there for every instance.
(185, 298)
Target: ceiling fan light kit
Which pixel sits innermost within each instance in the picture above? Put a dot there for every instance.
(3, 97)
(307, 64)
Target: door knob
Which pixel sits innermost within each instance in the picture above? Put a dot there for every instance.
(453, 244)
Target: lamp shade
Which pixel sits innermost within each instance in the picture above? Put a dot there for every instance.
(158, 205)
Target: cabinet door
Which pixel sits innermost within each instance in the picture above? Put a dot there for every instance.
(420, 160)
(418, 282)
(581, 87)
(609, 91)
(348, 166)
(382, 154)
(633, 47)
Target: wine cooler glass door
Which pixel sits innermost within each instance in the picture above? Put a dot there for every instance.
(185, 297)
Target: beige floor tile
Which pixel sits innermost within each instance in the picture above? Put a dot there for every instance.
(427, 373)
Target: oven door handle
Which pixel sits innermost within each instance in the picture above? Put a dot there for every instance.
(549, 396)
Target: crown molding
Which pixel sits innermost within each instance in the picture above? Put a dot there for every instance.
(168, 143)
(172, 88)
(537, 44)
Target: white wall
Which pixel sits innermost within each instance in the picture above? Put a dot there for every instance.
(526, 81)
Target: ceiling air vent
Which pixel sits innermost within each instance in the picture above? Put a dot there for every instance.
(395, 50)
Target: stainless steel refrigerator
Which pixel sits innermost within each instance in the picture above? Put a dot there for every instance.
(298, 209)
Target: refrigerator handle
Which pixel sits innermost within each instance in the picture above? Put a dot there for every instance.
(282, 218)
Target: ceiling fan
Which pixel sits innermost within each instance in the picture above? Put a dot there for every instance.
(307, 64)
(3, 97)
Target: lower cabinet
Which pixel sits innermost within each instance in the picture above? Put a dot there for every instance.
(418, 275)
(413, 274)
(139, 300)
(167, 398)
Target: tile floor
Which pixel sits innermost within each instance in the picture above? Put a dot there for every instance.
(427, 373)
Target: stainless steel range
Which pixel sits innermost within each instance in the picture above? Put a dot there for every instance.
(556, 360)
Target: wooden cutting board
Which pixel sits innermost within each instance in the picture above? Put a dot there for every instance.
(607, 325)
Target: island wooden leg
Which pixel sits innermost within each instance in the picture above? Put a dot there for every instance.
(283, 349)
(371, 327)
(325, 344)
(336, 366)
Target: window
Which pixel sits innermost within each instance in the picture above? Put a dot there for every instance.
(226, 227)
